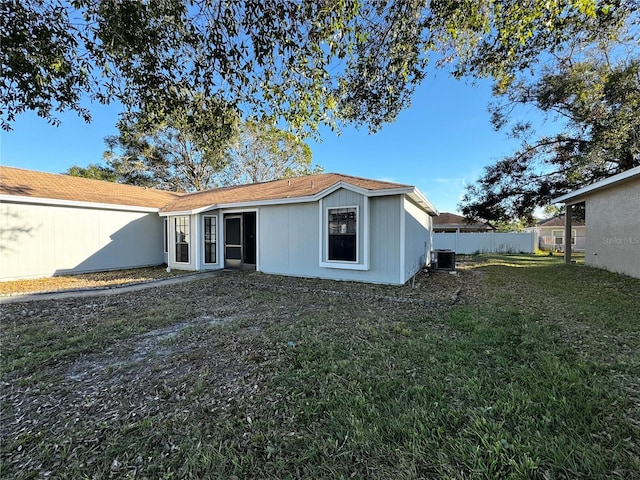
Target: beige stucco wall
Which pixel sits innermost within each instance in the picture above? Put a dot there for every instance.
(46, 240)
(613, 228)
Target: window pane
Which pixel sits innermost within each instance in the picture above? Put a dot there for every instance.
(182, 252)
(210, 240)
(342, 234)
(342, 247)
(210, 253)
(182, 239)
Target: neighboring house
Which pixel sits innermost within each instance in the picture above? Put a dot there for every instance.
(550, 234)
(329, 226)
(450, 223)
(612, 217)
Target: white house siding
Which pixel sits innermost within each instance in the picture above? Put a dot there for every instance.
(417, 239)
(45, 240)
(613, 229)
(289, 235)
(385, 236)
(288, 239)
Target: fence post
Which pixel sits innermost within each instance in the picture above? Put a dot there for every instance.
(533, 242)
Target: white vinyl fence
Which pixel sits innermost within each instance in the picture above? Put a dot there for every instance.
(466, 243)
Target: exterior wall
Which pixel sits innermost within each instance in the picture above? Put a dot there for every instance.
(44, 240)
(613, 229)
(289, 237)
(469, 243)
(385, 240)
(417, 239)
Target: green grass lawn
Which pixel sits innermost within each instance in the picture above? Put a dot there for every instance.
(531, 370)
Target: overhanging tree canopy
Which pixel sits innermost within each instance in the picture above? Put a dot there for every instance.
(595, 94)
(304, 62)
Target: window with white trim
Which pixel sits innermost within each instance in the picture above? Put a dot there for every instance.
(343, 234)
(210, 239)
(182, 239)
(558, 237)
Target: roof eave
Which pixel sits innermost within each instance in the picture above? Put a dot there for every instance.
(74, 203)
(418, 197)
(576, 196)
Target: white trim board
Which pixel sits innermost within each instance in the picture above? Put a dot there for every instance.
(73, 203)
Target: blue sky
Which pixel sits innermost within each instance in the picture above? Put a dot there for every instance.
(439, 144)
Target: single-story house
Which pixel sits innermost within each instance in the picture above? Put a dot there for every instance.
(452, 223)
(612, 217)
(550, 234)
(328, 226)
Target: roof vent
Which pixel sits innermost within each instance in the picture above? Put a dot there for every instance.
(312, 184)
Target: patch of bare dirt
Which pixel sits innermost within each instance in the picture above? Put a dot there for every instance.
(87, 280)
(204, 353)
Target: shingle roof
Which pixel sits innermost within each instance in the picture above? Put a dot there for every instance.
(451, 220)
(275, 190)
(558, 221)
(447, 218)
(28, 183)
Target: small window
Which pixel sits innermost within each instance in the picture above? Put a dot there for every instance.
(166, 235)
(182, 239)
(558, 237)
(343, 238)
(210, 240)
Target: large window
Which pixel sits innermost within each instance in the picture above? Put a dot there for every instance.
(343, 237)
(210, 237)
(182, 239)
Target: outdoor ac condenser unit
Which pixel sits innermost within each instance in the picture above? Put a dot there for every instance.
(443, 260)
